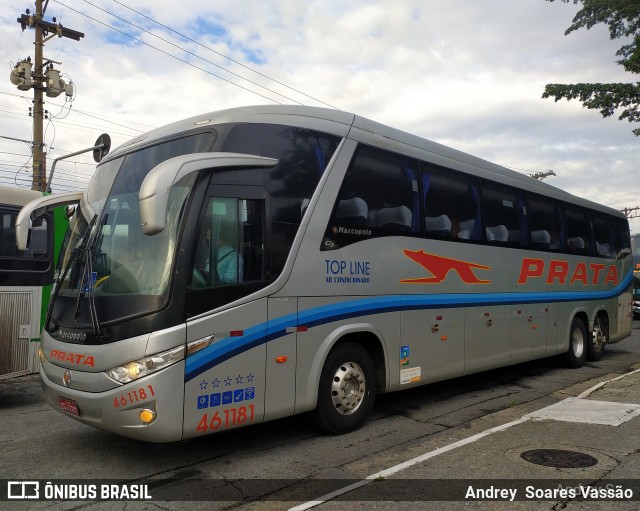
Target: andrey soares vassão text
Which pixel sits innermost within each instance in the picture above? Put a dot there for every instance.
(587, 492)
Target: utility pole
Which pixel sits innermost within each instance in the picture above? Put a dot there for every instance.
(39, 162)
(628, 212)
(542, 175)
(43, 81)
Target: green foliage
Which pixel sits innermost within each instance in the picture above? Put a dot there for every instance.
(605, 97)
(623, 19)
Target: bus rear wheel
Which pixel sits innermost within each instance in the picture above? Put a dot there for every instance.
(598, 340)
(577, 353)
(347, 389)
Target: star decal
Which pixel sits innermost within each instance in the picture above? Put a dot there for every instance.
(215, 383)
(239, 379)
(203, 385)
(227, 381)
(250, 378)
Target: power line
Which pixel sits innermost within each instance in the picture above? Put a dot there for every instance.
(598, 193)
(176, 58)
(66, 173)
(67, 161)
(24, 116)
(88, 114)
(189, 52)
(222, 55)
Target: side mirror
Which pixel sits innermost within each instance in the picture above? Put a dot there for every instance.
(37, 208)
(154, 191)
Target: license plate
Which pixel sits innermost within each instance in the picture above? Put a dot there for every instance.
(68, 405)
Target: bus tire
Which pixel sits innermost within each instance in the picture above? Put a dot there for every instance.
(347, 389)
(578, 340)
(597, 340)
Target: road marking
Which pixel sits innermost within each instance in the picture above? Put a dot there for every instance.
(460, 443)
(403, 466)
(603, 383)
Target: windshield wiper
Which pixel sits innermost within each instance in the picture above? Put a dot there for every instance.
(87, 272)
(95, 244)
(75, 252)
(91, 248)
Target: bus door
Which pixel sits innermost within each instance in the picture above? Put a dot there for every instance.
(225, 382)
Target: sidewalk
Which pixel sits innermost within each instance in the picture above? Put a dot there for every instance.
(586, 434)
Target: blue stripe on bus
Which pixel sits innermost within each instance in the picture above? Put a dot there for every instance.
(262, 333)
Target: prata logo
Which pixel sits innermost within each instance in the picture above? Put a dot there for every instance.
(440, 267)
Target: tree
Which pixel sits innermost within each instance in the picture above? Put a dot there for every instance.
(623, 20)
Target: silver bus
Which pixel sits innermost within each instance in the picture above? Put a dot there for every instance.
(259, 262)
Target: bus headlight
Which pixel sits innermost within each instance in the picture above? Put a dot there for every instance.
(41, 355)
(145, 366)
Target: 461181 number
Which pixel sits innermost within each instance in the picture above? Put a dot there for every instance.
(226, 418)
(134, 396)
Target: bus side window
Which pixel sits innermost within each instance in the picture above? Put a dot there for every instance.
(578, 231)
(229, 252)
(603, 234)
(451, 205)
(622, 238)
(378, 197)
(40, 237)
(33, 266)
(505, 216)
(544, 223)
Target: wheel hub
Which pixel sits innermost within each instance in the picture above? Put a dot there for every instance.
(577, 341)
(599, 339)
(348, 388)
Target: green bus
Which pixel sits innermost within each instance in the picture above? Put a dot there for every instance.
(25, 280)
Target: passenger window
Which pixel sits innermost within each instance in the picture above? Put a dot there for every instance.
(577, 227)
(379, 197)
(504, 216)
(451, 204)
(603, 234)
(545, 225)
(622, 238)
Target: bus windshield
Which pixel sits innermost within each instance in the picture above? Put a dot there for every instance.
(110, 270)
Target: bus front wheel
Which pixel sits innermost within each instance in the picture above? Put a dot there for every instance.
(577, 353)
(347, 389)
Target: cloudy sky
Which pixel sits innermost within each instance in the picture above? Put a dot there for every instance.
(469, 74)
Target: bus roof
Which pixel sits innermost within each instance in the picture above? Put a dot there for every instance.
(363, 130)
(17, 196)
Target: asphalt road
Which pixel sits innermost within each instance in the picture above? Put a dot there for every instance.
(268, 460)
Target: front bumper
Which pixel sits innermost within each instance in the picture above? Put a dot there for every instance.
(118, 409)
